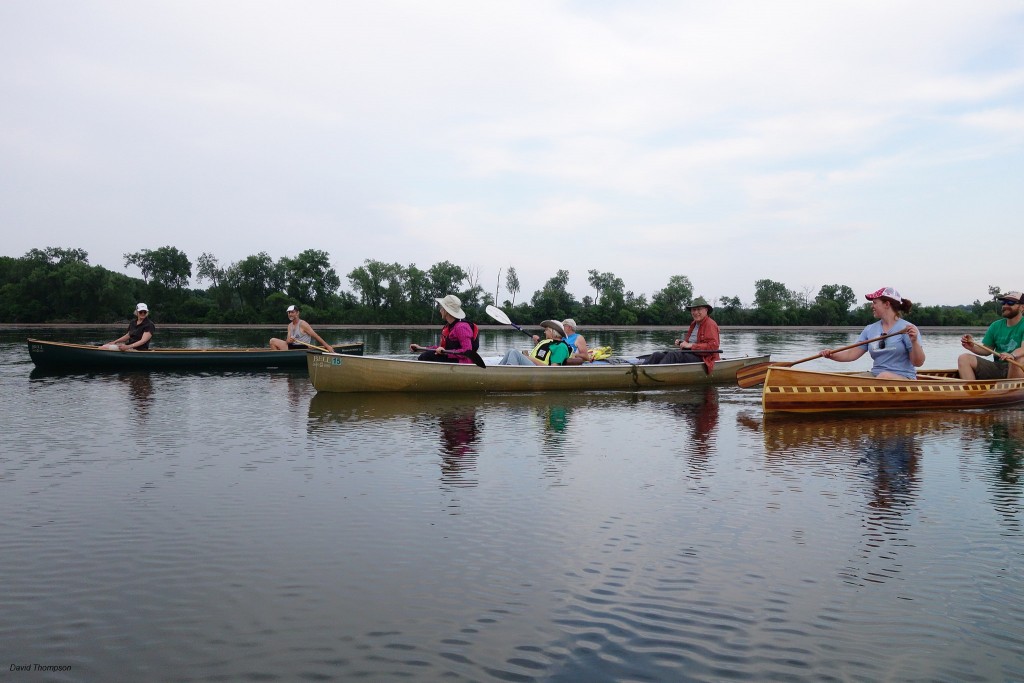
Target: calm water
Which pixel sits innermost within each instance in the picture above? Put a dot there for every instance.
(234, 526)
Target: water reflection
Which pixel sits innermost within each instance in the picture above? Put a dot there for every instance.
(1005, 440)
(699, 409)
(886, 453)
(140, 395)
(460, 431)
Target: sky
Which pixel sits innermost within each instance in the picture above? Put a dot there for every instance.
(865, 143)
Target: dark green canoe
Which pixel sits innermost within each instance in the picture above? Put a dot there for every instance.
(63, 356)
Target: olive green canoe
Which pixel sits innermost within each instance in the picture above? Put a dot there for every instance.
(333, 372)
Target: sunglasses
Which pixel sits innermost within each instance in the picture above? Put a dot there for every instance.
(881, 344)
(143, 312)
(1009, 302)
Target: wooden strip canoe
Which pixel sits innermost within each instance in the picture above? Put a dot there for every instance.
(337, 373)
(793, 390)
(63, 356)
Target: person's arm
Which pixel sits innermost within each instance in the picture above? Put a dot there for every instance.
(844, 356)
(916, 350)
(967, 341)
(581, 349)
(123, 337)
(143, 340)
(312, 333)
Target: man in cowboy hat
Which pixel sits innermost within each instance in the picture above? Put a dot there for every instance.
(1003, 336)
(552, 350)
(701, 336)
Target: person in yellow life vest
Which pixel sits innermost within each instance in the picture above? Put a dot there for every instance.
(552, 350)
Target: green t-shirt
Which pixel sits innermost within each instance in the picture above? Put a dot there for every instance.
(1002, 337)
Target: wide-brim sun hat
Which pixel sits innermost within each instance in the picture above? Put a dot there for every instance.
(892, 295)
(453, 305)
(699, 302)
(554, 325)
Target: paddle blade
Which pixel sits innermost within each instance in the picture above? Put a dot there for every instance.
(475, 357)
(498, 315)
(752, 375)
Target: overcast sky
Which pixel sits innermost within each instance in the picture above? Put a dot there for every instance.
(864, 143)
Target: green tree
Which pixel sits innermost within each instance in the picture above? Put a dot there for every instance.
(310, 277)
(166, 266)
(58, 256)
(252, 278)
(553, 300)
(668, 303)
(512, 284)
(445, 278)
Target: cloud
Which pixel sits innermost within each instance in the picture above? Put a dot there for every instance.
(726, 141)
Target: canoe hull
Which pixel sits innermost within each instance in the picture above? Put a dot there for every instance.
(350, 374)
(63, 356)
(792, 390)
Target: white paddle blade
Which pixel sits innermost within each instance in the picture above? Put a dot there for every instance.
(498, 315)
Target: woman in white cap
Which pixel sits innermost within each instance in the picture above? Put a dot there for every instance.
(458, 337)
(300, 334)
(140, 331)
(894, 357)
(575, 340)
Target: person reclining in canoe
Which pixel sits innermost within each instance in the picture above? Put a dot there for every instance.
(140, 332)
(300, 334)
(1004, 336)
(552, 350)
(580, 353)
(894, 357)
(458, 337)
(703, 331)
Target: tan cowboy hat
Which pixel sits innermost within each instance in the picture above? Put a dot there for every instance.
(554, 325)
(453, 305)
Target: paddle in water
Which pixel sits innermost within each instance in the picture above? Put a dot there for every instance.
(753, 375)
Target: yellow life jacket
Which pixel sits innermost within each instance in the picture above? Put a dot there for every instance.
(542, 351)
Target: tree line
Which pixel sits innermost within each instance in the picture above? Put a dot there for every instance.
(56, 285)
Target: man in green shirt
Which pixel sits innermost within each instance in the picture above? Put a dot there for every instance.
(1004, 336)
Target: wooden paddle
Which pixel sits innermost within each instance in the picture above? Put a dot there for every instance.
(752, 375)
(314, 346)
(995, 354)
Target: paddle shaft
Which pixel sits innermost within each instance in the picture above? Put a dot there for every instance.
(313, 346)
(995, 354)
